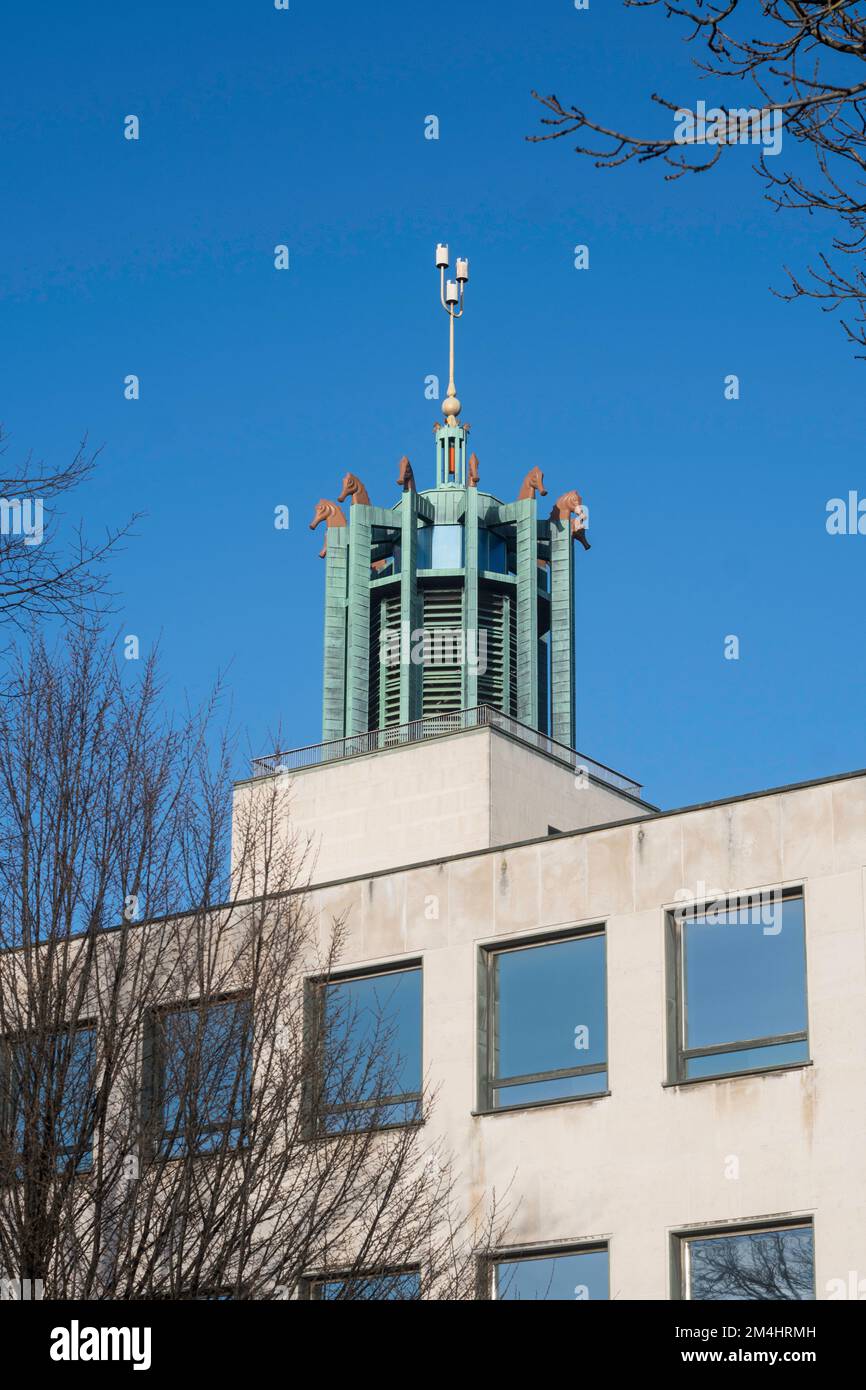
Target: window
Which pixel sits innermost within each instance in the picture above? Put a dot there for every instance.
(563, 1276)
(737, 986)
(497, 550)
(764, 1264)
(492, 551)
(197, 1077)
(369, 1041)
(49, 1099)
(401, 1286)
(440, 547)
(543, 1021)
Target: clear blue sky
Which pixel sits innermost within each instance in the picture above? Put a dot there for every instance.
(259, 387)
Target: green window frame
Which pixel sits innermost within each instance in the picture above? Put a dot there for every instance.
(400, 1285)
(748, 1262)
(580, 953)
(705, 1039)
(27, 1068)
(197, 1081)
(361, 1100)
(562, 1273)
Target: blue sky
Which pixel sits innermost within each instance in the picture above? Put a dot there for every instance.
(261, 388)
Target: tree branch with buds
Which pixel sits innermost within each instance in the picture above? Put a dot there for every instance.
(806, 63)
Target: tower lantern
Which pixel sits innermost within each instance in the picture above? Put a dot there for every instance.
(450, 600)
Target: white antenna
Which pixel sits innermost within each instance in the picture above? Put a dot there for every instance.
(451, 294)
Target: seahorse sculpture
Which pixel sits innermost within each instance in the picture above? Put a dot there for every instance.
(332, 515)
(533, 483)
(354, 488)
(406, 478)
(562, 509)
(473, 470)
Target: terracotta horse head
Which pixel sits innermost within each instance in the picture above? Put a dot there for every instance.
(406, 478)
(331, 514)
(562, 509)
(473, 470)
(533, 483)
(354, 488)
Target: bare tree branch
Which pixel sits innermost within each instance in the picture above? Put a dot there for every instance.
(804, 60)
(39, 577)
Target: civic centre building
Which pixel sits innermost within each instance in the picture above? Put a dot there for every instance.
(648, 1026)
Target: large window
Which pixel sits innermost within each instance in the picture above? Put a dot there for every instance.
(564, 1276)
(197, 1077)
(543, 1021)
(401, 1286)
(48, 1100)
(367, 1036)
(764, 1264)
(737, 986)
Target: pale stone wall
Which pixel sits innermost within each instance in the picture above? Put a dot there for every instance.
(649, 1158)
(529, 792)
(444, 796)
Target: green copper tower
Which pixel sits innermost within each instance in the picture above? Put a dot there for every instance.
(451, 599)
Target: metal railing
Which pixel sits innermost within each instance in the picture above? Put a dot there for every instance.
(436, 726)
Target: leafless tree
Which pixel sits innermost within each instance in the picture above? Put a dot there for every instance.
(190, 1110)
(804, 61)
(39, 576)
